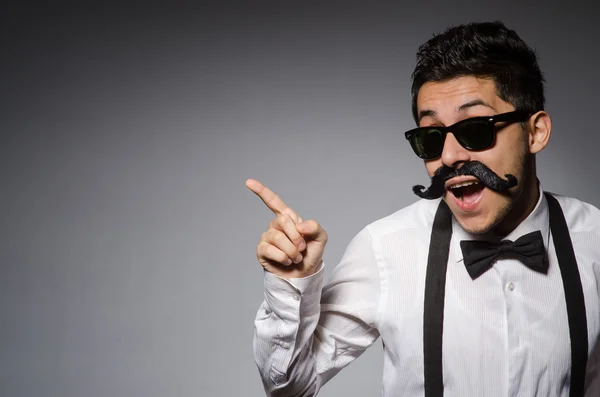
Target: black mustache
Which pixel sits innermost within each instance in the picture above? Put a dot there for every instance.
(474, 168)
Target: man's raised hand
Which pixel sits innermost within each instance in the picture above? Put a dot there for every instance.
(291, 247)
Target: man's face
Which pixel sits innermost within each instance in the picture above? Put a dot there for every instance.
(477, 208)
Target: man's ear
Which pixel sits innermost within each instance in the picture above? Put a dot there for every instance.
(540, 129)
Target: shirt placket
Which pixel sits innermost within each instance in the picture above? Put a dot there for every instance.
(512, 288)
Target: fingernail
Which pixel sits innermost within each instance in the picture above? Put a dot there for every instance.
(302, 245)
(287, 262)
(298, 258)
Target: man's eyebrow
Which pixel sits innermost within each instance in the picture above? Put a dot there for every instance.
(427, 113)
(475, 102)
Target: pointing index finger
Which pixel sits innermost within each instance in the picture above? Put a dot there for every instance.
(270, 199)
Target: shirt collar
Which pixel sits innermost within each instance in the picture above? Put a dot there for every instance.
(538, 219)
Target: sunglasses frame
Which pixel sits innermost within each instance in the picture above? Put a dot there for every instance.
(512, 117)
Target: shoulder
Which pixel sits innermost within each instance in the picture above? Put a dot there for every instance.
(412, 220)
(581, 217)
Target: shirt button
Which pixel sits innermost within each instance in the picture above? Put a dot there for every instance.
(511, 287)
(296, 297)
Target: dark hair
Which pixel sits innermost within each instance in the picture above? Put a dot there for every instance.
(482, 49)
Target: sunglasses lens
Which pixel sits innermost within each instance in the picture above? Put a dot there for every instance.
(475, 135)
(428, 143)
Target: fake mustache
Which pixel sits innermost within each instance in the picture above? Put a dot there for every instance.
(474, 168)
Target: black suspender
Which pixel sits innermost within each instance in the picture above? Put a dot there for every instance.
(435, 288)
(573, 294)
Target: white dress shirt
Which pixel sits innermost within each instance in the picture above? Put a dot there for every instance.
(505, 333)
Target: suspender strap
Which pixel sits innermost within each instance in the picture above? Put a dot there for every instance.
(574, 296)
(435, 288)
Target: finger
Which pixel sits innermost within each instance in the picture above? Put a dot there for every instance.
(288, 211)
(270, 253)
(282, 242)
(288, 226)
(312, 230)
(270, 199)
(292, 214)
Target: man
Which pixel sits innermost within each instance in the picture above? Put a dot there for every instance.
(486, 287)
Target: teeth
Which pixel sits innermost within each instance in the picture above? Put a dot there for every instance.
(464, 184)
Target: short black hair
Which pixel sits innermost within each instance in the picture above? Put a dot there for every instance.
(482, 49)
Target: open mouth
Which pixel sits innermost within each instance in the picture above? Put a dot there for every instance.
(467, 192)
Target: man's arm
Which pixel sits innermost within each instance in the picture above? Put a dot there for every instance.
(304, 334)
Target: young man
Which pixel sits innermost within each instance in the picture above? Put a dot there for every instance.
(486, 287)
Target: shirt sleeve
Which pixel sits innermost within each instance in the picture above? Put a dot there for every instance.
(305, 334)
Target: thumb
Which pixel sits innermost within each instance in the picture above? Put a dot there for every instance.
(312, 230)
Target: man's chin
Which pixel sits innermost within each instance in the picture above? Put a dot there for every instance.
(473, 222)
(475, 228)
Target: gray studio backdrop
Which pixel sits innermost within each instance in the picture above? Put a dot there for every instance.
(127, 237)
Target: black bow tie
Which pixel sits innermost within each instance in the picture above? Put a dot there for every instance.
(479, 256)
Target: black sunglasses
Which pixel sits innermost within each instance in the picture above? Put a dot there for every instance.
(476, 133)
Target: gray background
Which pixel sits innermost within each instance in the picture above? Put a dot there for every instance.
(127, 237)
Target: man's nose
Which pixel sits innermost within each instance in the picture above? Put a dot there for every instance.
(453, 153)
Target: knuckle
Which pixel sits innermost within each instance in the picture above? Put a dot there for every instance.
(291, 214)
(270, 253)
(278, 237)
(271, 236)
(282, 219)
(265, 236)
(261, 249)
(284, 244)
(278, 256)
(273, 223)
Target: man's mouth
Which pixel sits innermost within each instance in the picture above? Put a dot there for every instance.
(467, 193)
